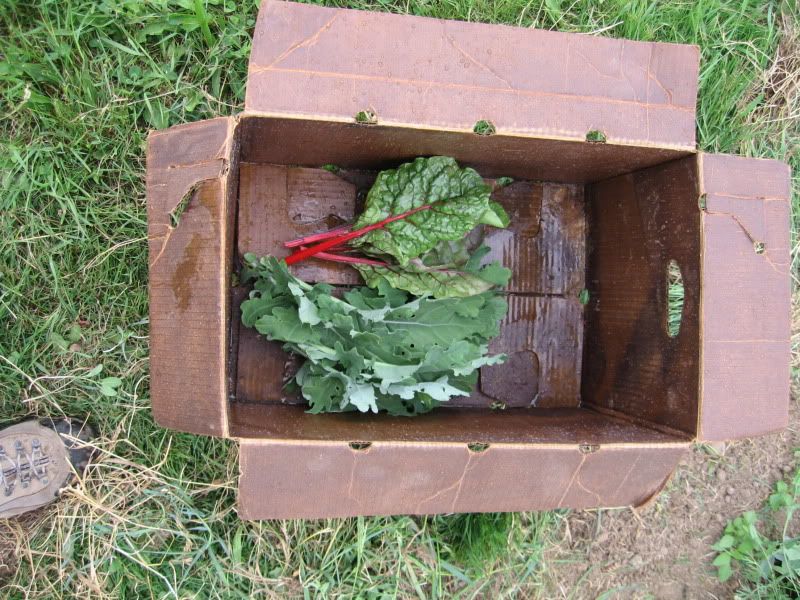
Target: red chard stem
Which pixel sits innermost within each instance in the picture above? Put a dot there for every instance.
(316, 237)
(346, 237)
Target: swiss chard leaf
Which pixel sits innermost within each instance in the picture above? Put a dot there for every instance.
(446, 271)
(440, 283)
(459, 200)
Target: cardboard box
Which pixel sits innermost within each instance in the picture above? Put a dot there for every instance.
(601, 402)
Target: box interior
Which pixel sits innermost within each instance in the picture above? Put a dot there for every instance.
(587, 219)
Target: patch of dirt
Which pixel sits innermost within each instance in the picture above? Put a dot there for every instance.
(664, 550)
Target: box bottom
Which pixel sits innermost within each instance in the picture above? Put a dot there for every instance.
(544, 246)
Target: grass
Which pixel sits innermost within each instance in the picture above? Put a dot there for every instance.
(764, 547)
(81, 82)
(674, 298)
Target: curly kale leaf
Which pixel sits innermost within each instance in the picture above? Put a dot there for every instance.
(373, 349)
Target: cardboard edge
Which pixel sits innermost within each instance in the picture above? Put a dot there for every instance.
(264, 58)
(651, 501)
(499, 26)
(251, 441)
(701, 301)
(768, 182)
(169, 183)
(525, 133)
(445, 478)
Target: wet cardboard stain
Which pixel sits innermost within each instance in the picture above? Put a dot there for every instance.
(185, 271)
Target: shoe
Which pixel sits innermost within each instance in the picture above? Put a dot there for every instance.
(37, 459)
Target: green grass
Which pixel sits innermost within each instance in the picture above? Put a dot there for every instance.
(674, 298)
(81, 82)
(763, 546)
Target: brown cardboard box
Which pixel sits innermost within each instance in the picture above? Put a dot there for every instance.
(601, 402)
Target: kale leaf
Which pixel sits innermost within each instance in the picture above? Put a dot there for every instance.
(373, 349)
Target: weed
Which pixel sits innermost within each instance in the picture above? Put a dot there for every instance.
(764, 547)
(331, 168)
(476, 541)
(480, 542)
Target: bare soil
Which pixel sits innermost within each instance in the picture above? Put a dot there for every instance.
(664, 550)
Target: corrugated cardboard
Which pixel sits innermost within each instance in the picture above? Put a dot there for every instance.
(599, 402)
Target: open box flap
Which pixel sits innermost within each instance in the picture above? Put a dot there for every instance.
(746, 297)
(333, 63)
(289, 480)
(189, 217)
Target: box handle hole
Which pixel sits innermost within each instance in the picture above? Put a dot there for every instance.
(366, 117)
(484, 127)
(360, 446)
(674, 298)
(595, 136)
(477, 447)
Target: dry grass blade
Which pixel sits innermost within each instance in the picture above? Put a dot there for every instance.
(781, 87)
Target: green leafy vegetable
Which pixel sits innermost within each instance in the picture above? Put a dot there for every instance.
(416, 221)
(460, 276)
(373, 349)
(459, 199)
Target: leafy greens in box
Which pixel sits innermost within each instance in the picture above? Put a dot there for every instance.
(378, 348)
(458, 199)
(414, 228)
(373, 349)
(458, 277)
